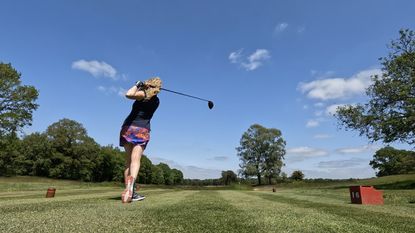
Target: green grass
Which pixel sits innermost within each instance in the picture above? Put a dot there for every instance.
(86, 207)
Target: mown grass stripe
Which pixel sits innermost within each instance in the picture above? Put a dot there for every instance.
(204, 211)
(93, 194)
(398, 206)
(388, 221)
(281, 217)
(94, 214)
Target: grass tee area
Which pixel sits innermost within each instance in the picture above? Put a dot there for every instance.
(86, 207)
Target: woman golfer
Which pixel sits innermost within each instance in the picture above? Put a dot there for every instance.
(135, 132)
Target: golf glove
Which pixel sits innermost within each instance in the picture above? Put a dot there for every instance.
(139, 84)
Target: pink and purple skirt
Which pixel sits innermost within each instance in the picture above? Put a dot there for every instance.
(134, 135)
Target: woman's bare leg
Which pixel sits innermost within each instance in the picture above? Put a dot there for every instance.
(137, 152)
(132, 166)
(128, 149)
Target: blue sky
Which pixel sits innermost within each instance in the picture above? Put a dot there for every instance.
(281, 64)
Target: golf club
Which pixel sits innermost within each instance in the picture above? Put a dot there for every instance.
(210, 103)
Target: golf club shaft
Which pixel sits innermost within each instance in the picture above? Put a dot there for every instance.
(184, 94)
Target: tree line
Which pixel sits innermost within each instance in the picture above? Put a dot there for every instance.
(65, 151)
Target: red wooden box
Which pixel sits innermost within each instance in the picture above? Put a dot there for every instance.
(366, 195)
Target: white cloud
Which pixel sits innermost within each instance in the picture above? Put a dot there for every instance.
(353, 162)
(301, 153)
(112, 90)
(358, 149)
(312, 123)
(254, 60)
(236, 56)
(96, 68)
(220, 158)
(281, 27)
(322, 136)
(338, 88)
(341, 173)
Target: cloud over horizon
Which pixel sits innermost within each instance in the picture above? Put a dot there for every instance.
(220, 158)
(358, 149)
(353, 162)
(297, 154)
(322, 136)
(338, 88)
(189, 171)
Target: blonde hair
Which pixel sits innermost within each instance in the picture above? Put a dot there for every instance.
(153, 82)
(153, 87)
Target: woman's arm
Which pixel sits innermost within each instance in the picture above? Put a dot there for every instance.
(135, 94)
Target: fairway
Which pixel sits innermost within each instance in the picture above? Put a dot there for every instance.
(82, 207)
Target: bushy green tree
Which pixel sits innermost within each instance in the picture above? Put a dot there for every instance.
(390, 161)
(261, 152)
(157, 176)
(17, 102)
(75, 151)
(109, 164)
(36, 152)
(228, 177)
(10, 156)
(167, 174)
(297, 175)
(177, 176)
(390, 113)
(144, 177)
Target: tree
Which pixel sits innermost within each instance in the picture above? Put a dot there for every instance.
(75, 152)
(228, 177)
(144, 177)
(297, 175)
(167, 174)
(390, 161)
(109, 165)
(17, 102)
(9, 154)
(157, 176)
(390, 113)
(36, 152)
(283, 176)
(177, 176)
(261, 152)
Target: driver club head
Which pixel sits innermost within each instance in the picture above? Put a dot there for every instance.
(210, 104)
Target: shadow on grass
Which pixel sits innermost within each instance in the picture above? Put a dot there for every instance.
(407, 184)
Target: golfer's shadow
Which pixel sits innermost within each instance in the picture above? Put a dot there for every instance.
(115, 198)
